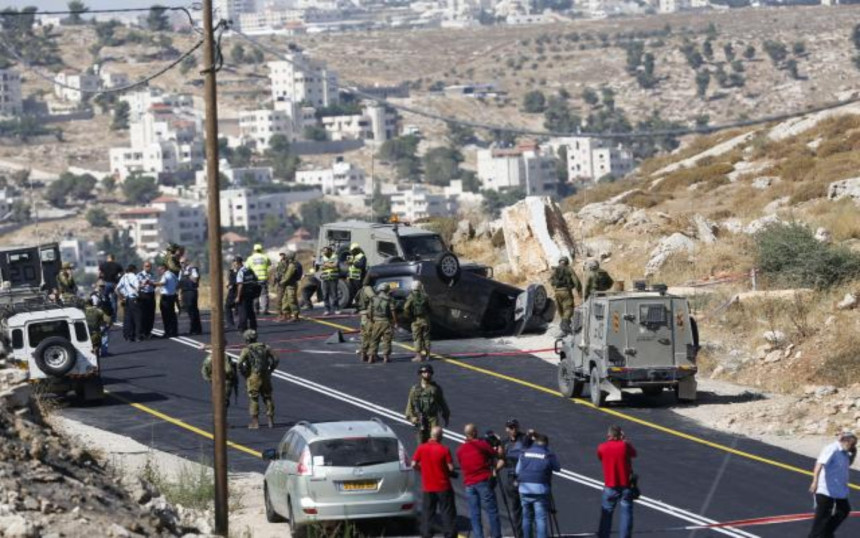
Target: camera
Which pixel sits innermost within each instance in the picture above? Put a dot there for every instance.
(492, 439)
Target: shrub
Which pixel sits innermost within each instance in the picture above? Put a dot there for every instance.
(789, 255)
(711, 175)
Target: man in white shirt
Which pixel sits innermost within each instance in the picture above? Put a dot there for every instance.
(128, 290)
(830, 485)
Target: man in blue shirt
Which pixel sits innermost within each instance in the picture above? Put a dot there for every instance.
(128, 291)
(830, 485)
(146, 291)
(534, 471)
(169, 284)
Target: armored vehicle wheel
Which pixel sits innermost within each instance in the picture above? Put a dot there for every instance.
(448, 267)
(597, 396)
(652, 392)
(568, 385)
(55, 356)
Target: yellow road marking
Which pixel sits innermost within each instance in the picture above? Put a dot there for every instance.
(182, 424)
(612, 412)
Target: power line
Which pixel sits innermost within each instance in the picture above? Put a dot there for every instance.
(532, 132)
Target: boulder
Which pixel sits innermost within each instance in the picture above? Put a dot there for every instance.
(774, 338)
(846, 188)
(482, 230)
(463, 233)
(823, 235)
(640, 221)
(758, 225)
(706, 231)
(732, 225)
(776, 205)
(677, 242)
(605, 213)
(598, 248)
(764, 182)
(536, 235)
(848, 302)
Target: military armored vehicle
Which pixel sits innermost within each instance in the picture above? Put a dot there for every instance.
(51, 341)
(643, 339)
(464, 298)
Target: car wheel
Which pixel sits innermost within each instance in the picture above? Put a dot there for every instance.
(448, 267)
(343, 296)
(271, 515)
(55, 356)
(296, 531)
(597, 396)
(568, 385)
(540, 299)
(308, 291)
(652, 392)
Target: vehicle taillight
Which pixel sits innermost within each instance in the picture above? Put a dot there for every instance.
(305, 466)
(405, 464)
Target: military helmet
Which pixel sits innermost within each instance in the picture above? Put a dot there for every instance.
(425, 368)
(355, 246)
(172, 247)
(258, 248)
(67, 265)
(564, 259)
(250, 335)
(290, 255)
(592, 265)
(384, 287)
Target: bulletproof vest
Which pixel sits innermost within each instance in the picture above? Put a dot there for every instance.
(425, 401)
(419, 304)
(248, 276)
(281, 270)
(381, 306)
(259, 358)
(297, 274)
(66, 283)
(355, 271)
(185, 281)
(561, 278)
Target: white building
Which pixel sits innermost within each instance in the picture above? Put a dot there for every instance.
(522, 167)
(342, 179)
(75, 87)
(376, 123)
(140, 102)
(258, 126)
(10, 93)
(672, 6)
(593, 158)
(237, 177)
(165, 220)
(300, 80)
(7, 200)
(419, 203)
(243, 208)
(110, 80)
(83, 254)
(231, 10)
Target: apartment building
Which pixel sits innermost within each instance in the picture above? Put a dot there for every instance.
(75, 87)
(341, 179)
(376, 123)
(83, 254)
(236, 177)
(259, 126)
(418, 202)
(591, 159)
(165, 220)
(10, 93)
(246, 209)
(300, 80)
(522, 167)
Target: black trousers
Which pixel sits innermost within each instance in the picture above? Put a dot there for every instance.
(247, 316)
(511, 496)
(131, 322)
(230, 307)
(189, 304)
(829, 514)
(354, 288)
(444, 500)
(168, 316)
(147, 313)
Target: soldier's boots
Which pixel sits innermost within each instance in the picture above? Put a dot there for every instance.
(255, 424)
(271, 421)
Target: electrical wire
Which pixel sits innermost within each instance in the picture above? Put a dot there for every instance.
(600, 135)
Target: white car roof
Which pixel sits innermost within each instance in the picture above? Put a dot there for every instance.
(73, 314)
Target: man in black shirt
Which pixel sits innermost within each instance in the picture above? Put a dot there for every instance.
(110, 272)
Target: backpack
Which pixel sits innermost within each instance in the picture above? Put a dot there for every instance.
(602, 280)
(299, 272)
(260, 362)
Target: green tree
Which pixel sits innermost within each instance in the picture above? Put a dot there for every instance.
(381, 204)
(798, 48)
(460, 135)
(738, 66)
(187, 64)
(98, 218)
(855, 36)
(590, 96)
(157, 20)
(20, 212)
(495, 201)
(776, 50)
(708, 50)
(441, 165)
(792, 68)
(120, 116)
(534, 102)
(316, 133)
(749, 52)
(109, 184)
(282, 161)
(401, 152)
(470, 181)
(78, 8)
(645, 78)
(237, 54)
(729, 52)
(106, 33)
(140, 189)
(559, 118)
(82, 187)
(315, 213)
(711, 32)
(120, 244)
(635, 50)
(703, 80)
(607, 96)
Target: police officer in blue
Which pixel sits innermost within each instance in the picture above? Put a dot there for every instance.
(189, 281)
(128, 290)
(246, 291)
(534, 476)
(169, 285)
(146, 292)
(510, 451)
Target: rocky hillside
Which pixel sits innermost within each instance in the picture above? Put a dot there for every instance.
(761, 229)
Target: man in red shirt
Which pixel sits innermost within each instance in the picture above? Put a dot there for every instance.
(477, 460)
(434, 461)
(616, 455)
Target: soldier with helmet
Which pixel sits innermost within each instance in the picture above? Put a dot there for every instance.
(280, 269)
(357, 269)
(230, 376)
(290, 282)
(66, 286)
(257, 362)
(596, 279)
(98, 322)
(426, 404)
(382, 320)
(564, 282)
(260, 264)
(417, 308)
(329, 276)
(363, 301)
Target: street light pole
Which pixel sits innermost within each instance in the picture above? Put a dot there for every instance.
(216, 301)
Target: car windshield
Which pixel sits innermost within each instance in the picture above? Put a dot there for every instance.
(425, 247)
(355, 452)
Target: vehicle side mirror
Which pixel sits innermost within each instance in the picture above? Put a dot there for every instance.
(270, 454)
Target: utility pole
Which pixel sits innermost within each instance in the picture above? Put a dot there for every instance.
(219, 414)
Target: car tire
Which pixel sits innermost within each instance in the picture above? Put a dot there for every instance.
(541, 300)
(307, 295)
(448, 267)
(271, 515)
(343, 297)
(296, 531)
(55, 356)
(598, 397)
(568, 385)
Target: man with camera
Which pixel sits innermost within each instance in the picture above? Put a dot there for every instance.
(534, 475)
(478, 462)
(616, 455)
(509, 452)
(434, 461)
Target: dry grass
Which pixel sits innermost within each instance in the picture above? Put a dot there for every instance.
(730, 255)
(599, 193)
(645, 200)
(708, 177)
(842, 218)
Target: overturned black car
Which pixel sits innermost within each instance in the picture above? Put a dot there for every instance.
(464, 298)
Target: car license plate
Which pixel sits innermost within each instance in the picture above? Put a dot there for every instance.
(359, 485)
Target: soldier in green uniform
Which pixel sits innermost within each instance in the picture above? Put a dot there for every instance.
(66, 286)
(257, 362)
(382, 324)
(231, 378)
(97, 321)
(596, 279)
(426, 404)
(172, 258)
(417, 309)
(280, 269)
(564, 282)
(365, 297)
(290, 281)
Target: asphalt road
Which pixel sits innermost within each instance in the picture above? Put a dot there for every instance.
(689, 474)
